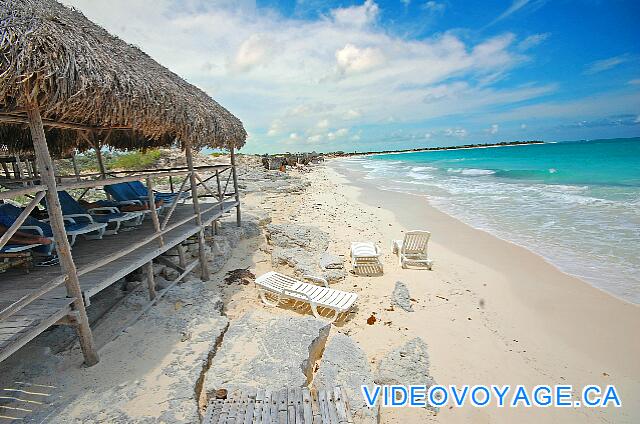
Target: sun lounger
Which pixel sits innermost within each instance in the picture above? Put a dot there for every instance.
(143, 192)
(43, 229)
(124, 194)
(282, 287)
(365, 255)
(412, 250)
(104, 214)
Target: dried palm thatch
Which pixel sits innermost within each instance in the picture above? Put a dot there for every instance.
(79, 74)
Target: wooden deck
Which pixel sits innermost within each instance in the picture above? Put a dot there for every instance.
(289, 406)
(20, 328)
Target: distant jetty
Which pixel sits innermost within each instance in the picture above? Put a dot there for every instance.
(426, 149)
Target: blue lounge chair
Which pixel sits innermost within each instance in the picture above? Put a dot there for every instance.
(124, 194)
(109, 215)
(43, 229)
(143, 192)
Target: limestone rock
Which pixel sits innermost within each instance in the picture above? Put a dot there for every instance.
(345, 364)
(401, 296)
(408, 364)
(293, 235)
(267, 351)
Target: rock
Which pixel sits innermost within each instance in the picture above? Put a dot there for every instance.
(162, 283)
(157, 269)
(131, 285)
(408, 364)
(401, 296)
(267, 351)
(330, 261)
(345, 364)
(170, 273)
(293, 235)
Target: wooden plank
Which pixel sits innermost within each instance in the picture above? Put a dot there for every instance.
(331, 406)
(341, 410)
(273, 410)
(291, 405)
(222, 418)
(153, 210)
(315, 407)
(258, 408)
(324, 409)
(233, 400)
(266, 408)
(283, 405)
(299, 406)
(251, 407)
(151, 282)
(21, 218)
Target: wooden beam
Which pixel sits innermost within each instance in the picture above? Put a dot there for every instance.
(154, 211)
(12, 119)
(151, 282)
(45, 166)
(21, 191)
(204, 268)
(174, 204)
(75, 166)
(235, 186)
(115, 180)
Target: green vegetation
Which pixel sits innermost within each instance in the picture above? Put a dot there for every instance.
(134, 160)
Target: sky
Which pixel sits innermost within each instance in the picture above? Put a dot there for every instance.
(366, 75)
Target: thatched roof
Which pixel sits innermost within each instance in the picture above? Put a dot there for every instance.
(82, 75)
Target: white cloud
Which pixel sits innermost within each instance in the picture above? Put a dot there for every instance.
(493, 129)
(517, 5)
(635, 81)
(282, 75)
(533, 40)
(294, 136)
(324, 123)
(455, 132)
(351, 59)
(255, 50)
(434, 7)
(275, 128)
(523, 126)
(358, 16)
(606, 64)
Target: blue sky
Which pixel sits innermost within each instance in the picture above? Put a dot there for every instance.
(368, 75)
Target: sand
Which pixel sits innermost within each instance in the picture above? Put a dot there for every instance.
(491, 312)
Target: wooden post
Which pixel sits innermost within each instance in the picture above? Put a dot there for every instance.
(220, 195)
(47, 176)
(103, 171)
(151, 282)
(171, 183)
(204, 268)
(19, 169)
(182, 259)
(75, 166)
(235, 186)
(154, 211)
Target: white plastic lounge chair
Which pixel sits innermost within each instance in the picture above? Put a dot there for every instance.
(413, 249)
(365, 254)
(281, 286)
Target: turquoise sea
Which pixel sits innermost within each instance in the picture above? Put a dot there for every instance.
(576, 203)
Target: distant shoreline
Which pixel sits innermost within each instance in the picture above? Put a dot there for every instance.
(427, 149)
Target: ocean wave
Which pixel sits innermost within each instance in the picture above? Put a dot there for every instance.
(419, 176)
(473, 172)
(423, 168)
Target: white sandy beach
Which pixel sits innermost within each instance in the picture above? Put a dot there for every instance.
(490, 312)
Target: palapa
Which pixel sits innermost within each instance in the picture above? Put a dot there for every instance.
(87, 80)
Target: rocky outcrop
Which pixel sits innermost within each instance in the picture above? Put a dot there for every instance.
(302, 248)
(401, 297)
(408, 364)
(267, 351)
(345, 364)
